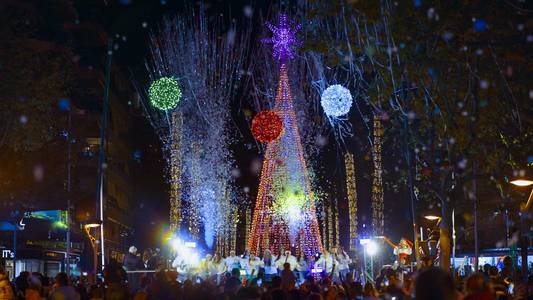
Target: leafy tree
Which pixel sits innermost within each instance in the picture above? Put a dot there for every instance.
(449, 81)
(36, 73)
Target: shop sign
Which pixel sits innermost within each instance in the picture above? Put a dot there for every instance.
(6, 253)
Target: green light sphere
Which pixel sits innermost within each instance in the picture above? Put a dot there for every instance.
(165, 93)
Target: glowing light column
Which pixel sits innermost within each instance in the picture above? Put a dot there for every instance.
(377, 183)
(175, 172)
(285, 213)
(330, 243)
(351, 189)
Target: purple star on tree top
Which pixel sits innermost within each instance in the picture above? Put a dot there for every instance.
(284, 38)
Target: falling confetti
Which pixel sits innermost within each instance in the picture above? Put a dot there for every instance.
(447, 36)
(248, 11)
(430, 13)
(23, 119)
(462, 163)
(202, 169)
(38, 173)
(236, 173)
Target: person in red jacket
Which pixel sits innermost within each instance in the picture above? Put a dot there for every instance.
(403, 250)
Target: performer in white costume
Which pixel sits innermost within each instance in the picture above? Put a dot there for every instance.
(327, 263)
(269, 265)
(232, 261)
(287, 257)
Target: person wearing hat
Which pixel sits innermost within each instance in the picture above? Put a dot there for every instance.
(403, 250)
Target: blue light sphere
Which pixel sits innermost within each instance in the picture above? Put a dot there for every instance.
(336, 101)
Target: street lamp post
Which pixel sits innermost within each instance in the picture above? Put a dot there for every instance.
(102, 154)
(69, 171)
(434, 215)
(92, 239)
(523, 231)
(432, 244)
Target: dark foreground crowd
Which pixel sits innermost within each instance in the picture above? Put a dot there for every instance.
(428, 283)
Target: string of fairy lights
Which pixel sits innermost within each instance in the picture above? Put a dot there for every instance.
(226, 237)
(330, 227)
(351, 191)
(196, 73)
(175, 172)
(377, 183)
(337, 232)
(233, 230)
(247, 221)
(284, 214)
(324, 224)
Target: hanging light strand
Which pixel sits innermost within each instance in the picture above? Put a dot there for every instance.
(377, 183)
(175, 172)
(337, 232)
(351, 189)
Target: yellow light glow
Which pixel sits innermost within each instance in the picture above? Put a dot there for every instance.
(431, 217)
(175, 172)
(92, 225)
(377, 182)
(352, 198)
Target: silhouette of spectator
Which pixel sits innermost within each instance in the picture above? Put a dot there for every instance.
(435, 284)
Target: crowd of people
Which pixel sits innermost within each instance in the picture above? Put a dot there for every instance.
(268, 277)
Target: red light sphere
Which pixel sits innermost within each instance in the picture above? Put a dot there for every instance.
(267, 126)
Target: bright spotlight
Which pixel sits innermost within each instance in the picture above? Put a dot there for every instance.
(193, 259)
(371, 248)
(176, 244)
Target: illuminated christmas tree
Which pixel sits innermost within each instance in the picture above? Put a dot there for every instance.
(285, 214)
